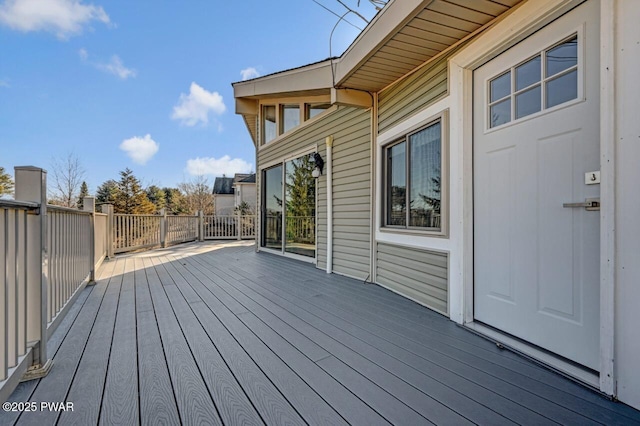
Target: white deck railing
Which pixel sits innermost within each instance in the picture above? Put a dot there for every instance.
(15, 248)
(70, 255)
(227, 227)
(48, 254)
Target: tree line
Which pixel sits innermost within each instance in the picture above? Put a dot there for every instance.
(68, 188)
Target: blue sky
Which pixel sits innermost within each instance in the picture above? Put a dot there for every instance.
(147, 84)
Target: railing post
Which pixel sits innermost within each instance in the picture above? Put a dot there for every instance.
(108, 210)
(238, 225)
(31, 185)
(89, 205)
(163, 228)
(200, 225)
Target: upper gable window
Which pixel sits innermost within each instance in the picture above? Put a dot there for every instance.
(290, 117)
(269, 129)
(543, 81)
(314, 109)
(281, 116)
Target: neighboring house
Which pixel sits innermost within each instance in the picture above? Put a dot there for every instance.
(480, 160)
(245, 191)
(229, 193)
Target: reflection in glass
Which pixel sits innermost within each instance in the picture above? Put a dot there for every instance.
(500, 113)
(562, 57)
(397, 187)
(300, 213)
(528, 73)
(315, 109)
(562, 89)
(528, 102)
(272, 208)
(425, 178)
(290, 117)
(501, 86)
(269, 122)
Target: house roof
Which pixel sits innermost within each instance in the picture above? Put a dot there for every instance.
(245, 178)
(401, 37)
(407, 33)
(223, 185)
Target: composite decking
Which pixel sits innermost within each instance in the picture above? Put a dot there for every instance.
(214, 333)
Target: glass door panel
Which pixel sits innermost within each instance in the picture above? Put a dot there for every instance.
(300, 212)
(272, 208)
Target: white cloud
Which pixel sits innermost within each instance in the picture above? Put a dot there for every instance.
(249, 73)
(140, 150)
(64, 18)
(83, 54)
(217, 166)
(4, 82)
(194, 108)
(116, 67)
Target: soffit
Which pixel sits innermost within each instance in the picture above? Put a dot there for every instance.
(408, 33)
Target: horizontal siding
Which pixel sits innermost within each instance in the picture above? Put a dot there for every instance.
(413, 93)
(351, 131)
(352, 196)
(421, 275)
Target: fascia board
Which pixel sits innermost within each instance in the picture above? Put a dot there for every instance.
(394, 16)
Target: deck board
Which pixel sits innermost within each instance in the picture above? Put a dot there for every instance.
(215, 333)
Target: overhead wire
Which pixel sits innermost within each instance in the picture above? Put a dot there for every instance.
(334, 13)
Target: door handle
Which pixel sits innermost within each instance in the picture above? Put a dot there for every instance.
(590, 204)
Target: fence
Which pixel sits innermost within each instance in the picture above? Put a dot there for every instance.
(136, 232)
(229, 227)
(47, 255)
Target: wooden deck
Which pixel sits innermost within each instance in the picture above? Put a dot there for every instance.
(214, 333)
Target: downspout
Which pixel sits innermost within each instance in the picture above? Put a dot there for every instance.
(373, 182)
(329, 172)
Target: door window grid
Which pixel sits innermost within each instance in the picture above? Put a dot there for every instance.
(522, 91)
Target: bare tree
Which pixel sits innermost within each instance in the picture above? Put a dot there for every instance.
(198, 194)
(67, 174)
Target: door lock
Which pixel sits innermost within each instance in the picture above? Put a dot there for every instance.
(590, 204)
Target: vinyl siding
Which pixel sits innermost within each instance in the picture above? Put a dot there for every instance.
(413, 93)
(350, 128)
(421, 275)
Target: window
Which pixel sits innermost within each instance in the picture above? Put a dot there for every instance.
(284, 115)
(290, 117)
(315, 109)
(543, 81)
(413, 190)
(269, 123)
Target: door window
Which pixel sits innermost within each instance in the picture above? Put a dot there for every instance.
(522, 90)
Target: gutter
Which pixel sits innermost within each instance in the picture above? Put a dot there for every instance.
(329, 172)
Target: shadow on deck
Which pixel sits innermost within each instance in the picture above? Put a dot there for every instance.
(214, 333)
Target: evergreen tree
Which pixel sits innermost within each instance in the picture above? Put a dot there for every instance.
(157, 196)
(6, 183)
(106, 193)
(130, 197)
(175, 202)
(84, 192)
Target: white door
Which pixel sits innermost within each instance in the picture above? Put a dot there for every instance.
(536, 136)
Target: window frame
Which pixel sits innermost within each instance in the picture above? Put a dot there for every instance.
(442, 119)
(279, 104)
(578, 35)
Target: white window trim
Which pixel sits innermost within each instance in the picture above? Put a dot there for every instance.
(415, 237)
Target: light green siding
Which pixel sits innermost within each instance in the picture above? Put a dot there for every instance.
(413, 93)
(421, 275)
(350, 128)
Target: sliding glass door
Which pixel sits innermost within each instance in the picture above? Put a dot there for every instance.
(300, 212)
(272, 208)
(289, 207)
